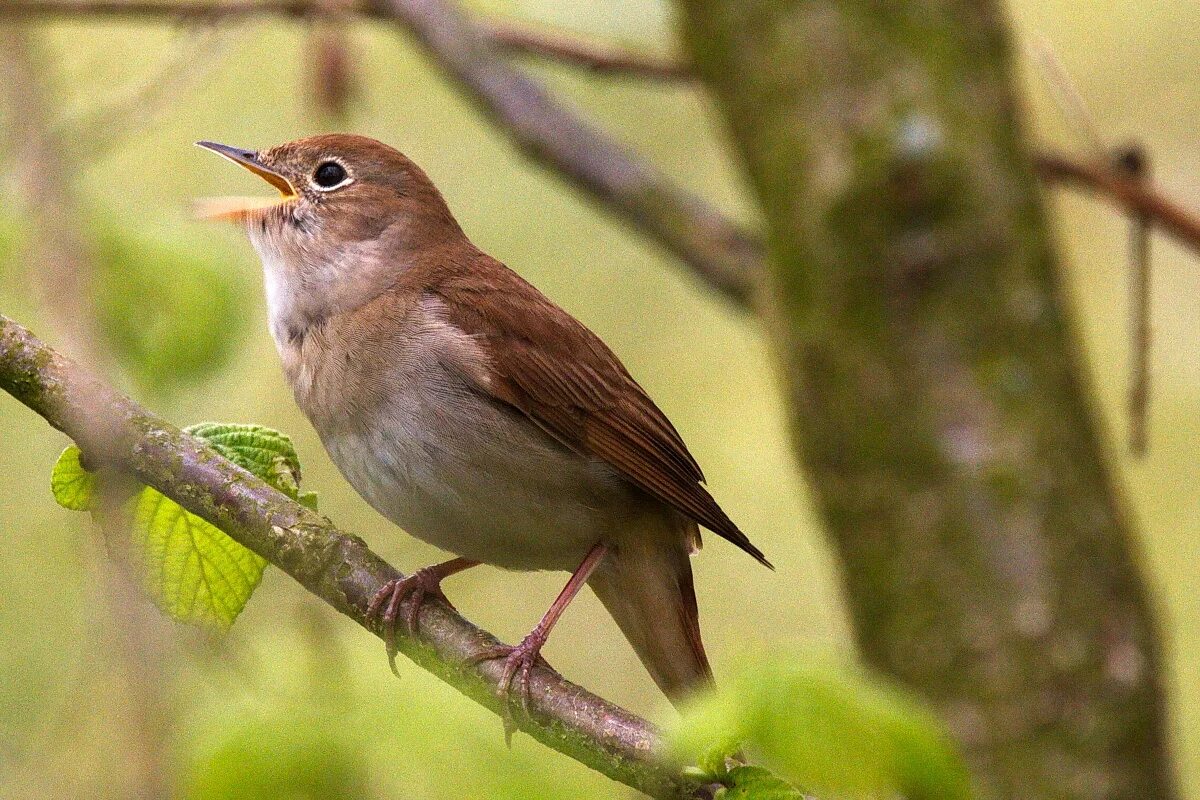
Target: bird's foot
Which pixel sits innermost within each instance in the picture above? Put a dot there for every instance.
(415, 589)
(519, 661)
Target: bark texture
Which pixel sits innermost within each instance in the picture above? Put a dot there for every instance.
(116, 433)
(939, 398)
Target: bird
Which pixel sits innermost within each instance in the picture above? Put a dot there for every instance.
(469, 409)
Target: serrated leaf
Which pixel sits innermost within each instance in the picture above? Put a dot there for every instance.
(192, 570)
(73, 486)
(263, 451)
(828, 730)
(758, 783)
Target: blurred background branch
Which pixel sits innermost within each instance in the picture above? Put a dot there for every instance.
(58, 258)
(723, 255)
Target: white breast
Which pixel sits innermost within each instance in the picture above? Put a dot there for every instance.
(437, 457)
(384, 383)
(468, 477)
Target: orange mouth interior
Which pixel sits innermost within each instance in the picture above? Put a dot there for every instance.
(237, 209)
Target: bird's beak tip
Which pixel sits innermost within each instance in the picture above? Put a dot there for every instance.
(248, 159)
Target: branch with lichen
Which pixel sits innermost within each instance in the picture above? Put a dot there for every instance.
(115, 433)
(722, 254)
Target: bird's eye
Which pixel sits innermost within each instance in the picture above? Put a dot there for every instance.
(329, 174)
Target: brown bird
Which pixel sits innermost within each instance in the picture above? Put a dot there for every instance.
(468, 408)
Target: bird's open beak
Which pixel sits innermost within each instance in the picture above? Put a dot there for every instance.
(237, 208)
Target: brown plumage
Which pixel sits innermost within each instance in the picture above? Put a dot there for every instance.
(470, 409)
(554, 370)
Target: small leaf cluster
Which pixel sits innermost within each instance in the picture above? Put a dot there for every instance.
(831, 731)
(192, 570)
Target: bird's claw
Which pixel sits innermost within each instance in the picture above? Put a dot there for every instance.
(415, 588)
(519, 662)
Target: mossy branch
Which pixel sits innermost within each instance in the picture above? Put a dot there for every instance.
(116, 433)
(939, 401)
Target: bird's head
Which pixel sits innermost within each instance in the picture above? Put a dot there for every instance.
(351, 213)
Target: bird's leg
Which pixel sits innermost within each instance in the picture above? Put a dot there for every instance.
(423, 583)
(519, 660)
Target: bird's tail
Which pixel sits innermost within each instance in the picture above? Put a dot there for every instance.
(646, 585)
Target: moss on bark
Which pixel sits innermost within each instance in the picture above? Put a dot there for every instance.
(938, 395)
(339, 568)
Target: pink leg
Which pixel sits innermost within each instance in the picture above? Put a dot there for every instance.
(521, 658)
(423, 583)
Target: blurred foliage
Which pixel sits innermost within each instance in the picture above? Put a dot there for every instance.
(193, 571)
(294, 756)
(756, 783)
(829, 730)
(704, 363)
(169, 315)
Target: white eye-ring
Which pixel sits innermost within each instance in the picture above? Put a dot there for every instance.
(330, 175)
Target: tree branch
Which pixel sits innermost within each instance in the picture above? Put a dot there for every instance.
(1129, 194)
(724, 256)
(339, 568)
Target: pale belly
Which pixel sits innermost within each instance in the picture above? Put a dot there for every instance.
(481, 482)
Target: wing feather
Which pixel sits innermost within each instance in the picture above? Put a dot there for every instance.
(554, 370)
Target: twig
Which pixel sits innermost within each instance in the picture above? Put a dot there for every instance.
(1133, 196)
(725, 256)
(1133, 163)
(335, 566)
(593, 56)
(568, 48)
(1129, 162)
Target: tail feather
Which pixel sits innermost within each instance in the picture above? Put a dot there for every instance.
(647, 588)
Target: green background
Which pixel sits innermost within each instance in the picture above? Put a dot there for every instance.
(293, 690)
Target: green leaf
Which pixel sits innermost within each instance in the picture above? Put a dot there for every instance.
(711, 760)
(192, 570)
(757, 783)
(73, 486)
(829, 730)
(263, 451)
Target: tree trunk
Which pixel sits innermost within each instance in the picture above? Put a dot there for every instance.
(939, 397)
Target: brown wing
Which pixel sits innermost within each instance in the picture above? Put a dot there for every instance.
(558, 373)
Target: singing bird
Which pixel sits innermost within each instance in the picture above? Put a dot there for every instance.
(468, 408)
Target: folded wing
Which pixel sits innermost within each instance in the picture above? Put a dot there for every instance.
(558, 373)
